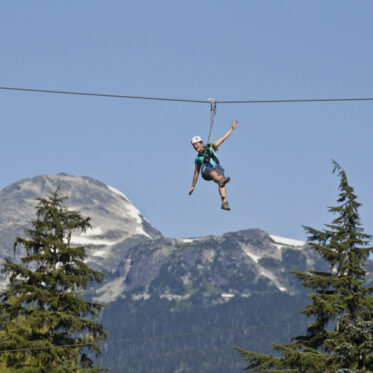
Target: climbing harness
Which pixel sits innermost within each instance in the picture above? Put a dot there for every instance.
(208, 155)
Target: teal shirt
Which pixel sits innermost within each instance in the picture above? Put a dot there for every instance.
(199, 159)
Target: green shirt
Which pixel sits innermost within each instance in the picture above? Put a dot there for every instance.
(201, 156)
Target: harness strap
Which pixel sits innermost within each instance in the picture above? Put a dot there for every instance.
(212, 102)
(207, 155)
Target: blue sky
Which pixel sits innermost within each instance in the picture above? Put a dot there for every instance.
(279, 156)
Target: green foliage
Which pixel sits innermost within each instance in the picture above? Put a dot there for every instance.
(339, 293)
(42, 309)
(352, 343)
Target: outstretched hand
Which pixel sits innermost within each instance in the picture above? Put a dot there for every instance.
(234, 124)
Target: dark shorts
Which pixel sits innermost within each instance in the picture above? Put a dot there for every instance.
(206, 172)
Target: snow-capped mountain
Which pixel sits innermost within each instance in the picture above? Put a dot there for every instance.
(126, 245)
(135, 254)
(234, 264)
(114, 218)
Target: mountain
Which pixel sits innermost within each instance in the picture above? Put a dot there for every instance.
(114, 218)
(173, 305)
(234, 264)
(134, 253)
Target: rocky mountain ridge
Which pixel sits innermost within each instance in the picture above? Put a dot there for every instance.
(180, 267)
(133, 252)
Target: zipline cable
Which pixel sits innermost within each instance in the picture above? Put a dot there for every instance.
(189, 100)
(297, 100)
(142, 339)
(101, 95)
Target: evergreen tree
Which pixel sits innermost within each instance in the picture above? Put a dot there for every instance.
(340, 292)
(46, 323)
(352, 344)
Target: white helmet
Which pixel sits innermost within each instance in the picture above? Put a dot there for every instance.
(196, 139)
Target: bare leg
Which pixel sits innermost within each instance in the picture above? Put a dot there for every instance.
(214, 175)
(223, 193)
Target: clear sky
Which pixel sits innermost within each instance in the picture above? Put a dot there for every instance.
(278, 157)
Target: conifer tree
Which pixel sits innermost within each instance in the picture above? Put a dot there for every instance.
(340, 298)
(47, 326)
(352, 344)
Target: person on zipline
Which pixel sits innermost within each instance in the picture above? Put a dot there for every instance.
(211, 168)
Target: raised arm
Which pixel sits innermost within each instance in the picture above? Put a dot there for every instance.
(218, 142)
(195, 177)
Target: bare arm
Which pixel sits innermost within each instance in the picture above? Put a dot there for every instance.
(195, 177)
(218, 142)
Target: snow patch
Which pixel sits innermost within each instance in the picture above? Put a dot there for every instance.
(134, 213)
(255, 258)
(101, 253)
(116, 191)
(174, 296)
(92, 232)
(81, 240)
(186, 240)
(227, 295)
(143, 296)
(279, 247)
(269, 275)
(286, 241)
(111, 291)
